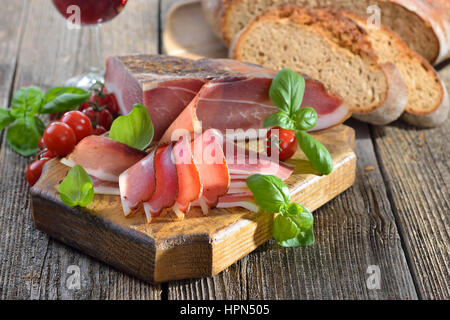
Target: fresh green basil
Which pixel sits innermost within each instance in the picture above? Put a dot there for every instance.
(135, 129)
(26, 100)
(305, 118)
(62, 99)
(279, 119)
(316, 152)
(287, 90)
(24, 134)
(76, 188)
(5, 118)
(293, 225)
(270, 192)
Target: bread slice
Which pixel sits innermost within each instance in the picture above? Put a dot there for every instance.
(331, 48)
(423, 24)
(428, 103)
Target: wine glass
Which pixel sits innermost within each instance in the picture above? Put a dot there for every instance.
(91, 13)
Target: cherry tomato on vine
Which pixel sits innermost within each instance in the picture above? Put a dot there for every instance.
(59, 138)
(79, 122)
(98, 130)
(105, 119)
(284, 140)
(34, 171)
(107, 101)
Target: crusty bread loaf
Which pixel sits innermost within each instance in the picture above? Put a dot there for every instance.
(428, 102)
(423, 24)
(331, 48)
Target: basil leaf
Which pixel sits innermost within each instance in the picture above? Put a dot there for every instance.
(284, 228)
(5, 118)
(305, 118)
(302, 217)
(287, 90)
(294, 226)
(26, 100)
(24, 134)
(76, 188)
(279, 119)
(316, 152)
(270, 192)
(303, 239)
(62, 99)
(135, 129)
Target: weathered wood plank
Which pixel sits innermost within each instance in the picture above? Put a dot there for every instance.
(416, 170)
(34, 266)
(354, 231)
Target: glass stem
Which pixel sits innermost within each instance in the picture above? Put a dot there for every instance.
(96, 57)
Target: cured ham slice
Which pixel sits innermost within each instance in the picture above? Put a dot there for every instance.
(189, 183)
(137, 184)
(244, 200)
(103, 158)
(233, 94)
(105, 187)
(166, 183)
(210, 161)
(238, 186)
(244, 103)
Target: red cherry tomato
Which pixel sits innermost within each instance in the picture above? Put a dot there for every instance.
(284, 140)
(91, 114)
(79, 123)
(107, 101)
(34, 171)
(105, 119)
(84, 106)
(98, 130)
(59, 138)
(41, 143)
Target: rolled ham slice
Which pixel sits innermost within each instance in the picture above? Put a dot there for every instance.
(105, 187)
(189, 183)
(166, 183)
(103, 157)
(210, 161)
(137, 184)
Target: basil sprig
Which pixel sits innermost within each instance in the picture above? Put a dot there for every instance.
(135, 129)
(286, 92)
(77, 188)
(293, 224)
(25, 126)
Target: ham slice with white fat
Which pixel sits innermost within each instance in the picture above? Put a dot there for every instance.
(166, 183)
(103, 157)
(137, 184)
(210, 161)
(189, 183)
(105, 187)
(244, 200)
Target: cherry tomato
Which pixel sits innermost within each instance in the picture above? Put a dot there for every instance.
(284, 140)
(34, 171)
(105, 119)
(41, 143)
(107, 101)
(84, 106)
(79, 123)
(91, 114)
(98, 130)
(59, 138)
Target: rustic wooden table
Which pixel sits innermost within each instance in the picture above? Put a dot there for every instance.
(393, 220)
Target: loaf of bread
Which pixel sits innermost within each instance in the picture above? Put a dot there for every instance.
(331, 48)
(428, 102)
(423, 24)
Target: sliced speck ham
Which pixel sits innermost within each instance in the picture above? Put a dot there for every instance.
(166, 183)
(103, 158)
(244, 200)
(105, 187)
(189, 183)
(210, 161)
(137, 184)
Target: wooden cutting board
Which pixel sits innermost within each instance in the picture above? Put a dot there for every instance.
(200, 245)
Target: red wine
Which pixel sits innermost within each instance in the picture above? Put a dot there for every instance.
(91, 11)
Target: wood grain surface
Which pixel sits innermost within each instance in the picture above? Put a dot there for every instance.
(395, 216)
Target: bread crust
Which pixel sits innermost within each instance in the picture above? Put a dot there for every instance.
(349, 35)
(430, 118)
(435, 15)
